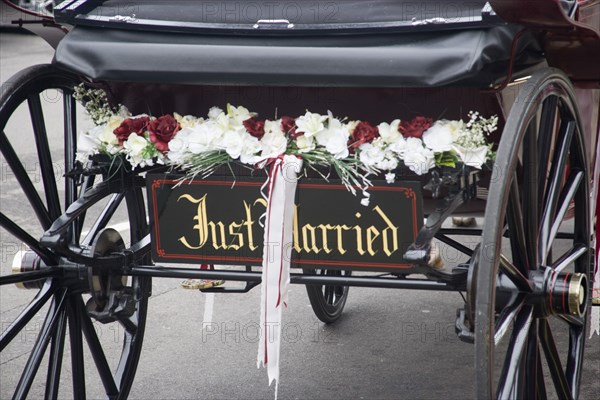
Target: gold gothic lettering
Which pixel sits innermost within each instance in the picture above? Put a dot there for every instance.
(310, 239)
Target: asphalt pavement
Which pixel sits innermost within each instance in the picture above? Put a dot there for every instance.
(389, 344)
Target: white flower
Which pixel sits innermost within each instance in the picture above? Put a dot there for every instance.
(107, 137)
(310, 123)
(187, 121)
(305, 143)
(438, 137)
(135, 147)
(473, 157)
(238, 114)
(274, 141)
(334, 139)
(390, 177)
(214, 112)
(233, 142)
(203, 137)
(87, 145)
(398, 146)
(388, 163)
(371, 154)
(389, 132)
(250, 150)
(418, 158)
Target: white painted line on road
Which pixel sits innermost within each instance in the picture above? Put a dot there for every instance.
(209, 303)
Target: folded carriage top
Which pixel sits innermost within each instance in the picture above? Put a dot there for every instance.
(467, 57)
(313, 43)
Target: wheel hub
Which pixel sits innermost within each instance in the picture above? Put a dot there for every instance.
(27, 261)
(111, 297)
(566, 293)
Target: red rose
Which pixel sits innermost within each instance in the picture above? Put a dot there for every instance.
(129, 126)
(255, 127)
(416, 127)
(162, 130)
(288, 126)
(364, 132)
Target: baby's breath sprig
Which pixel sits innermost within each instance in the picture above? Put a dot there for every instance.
(95, 102)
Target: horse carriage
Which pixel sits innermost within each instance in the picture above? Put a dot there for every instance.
(495, 119)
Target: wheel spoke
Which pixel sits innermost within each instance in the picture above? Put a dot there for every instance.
(26, 238)
(553, 190)
(506, 317)
(531, 363)
(516, 350)
(39, 348)
(546, 132)
(29, 276)
(569, 258)
(567, 195)
(540, 381)
(97, 352)
(329, 294)
(553, 359)
(25, 316)
(576, 344)
(515, 275)
(26, 185)
(103, 219)
(70, 138)
(56, 356)
(514, 215)
(77, 367)
(530, 203)
(44, 156)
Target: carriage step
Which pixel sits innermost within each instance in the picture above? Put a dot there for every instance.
(464, 333)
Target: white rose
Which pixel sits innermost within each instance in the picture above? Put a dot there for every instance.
(390, 177)
(134, 147)
(305, 143)
(475, 157)
(371, 154)
(438, 137)
(135, 144)
(108, 137)
(334, 139)
(310, 123)
(389, 132)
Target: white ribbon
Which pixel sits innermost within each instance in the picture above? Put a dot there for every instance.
(276, 261)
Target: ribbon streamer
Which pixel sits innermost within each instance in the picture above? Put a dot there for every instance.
(276, 261)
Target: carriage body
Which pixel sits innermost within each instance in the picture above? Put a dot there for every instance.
(535, 67)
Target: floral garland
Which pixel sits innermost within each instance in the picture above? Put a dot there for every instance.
(354, 149)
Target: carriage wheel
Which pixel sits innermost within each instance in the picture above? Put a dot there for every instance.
(68, 294)
(532, 284)
(327, 301)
